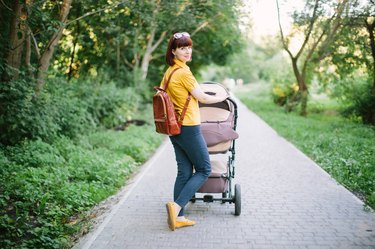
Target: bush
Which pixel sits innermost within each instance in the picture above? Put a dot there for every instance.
(128, 144)
(27, 116)
(285, 89)
(360, 102)
(62, 108)
(47, 187)
(107, 104)
(285, 95)
(48, 180)
(23, 115)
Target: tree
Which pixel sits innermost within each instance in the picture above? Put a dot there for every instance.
(45, 59)
(128, 40)
(21, 32)
(363, 17)
(350, 69)
(120, 39)
(319, 31)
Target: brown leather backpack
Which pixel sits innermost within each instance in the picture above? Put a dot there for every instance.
(165, 117)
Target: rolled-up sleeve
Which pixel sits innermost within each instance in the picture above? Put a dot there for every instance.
(188, 80)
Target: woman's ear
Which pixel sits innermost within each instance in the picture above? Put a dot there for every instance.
(174, 51)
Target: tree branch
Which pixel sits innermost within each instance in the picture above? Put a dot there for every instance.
(336, 19)
(282, 32)
(45, 59)
(127, 62)
(205, 23)
(311, 26)
(34, 43)
(96, 11)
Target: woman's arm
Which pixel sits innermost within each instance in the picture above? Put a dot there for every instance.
(206, 98)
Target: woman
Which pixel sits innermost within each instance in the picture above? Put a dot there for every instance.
(189, 146)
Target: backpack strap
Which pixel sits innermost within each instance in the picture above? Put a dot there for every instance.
(166, 83)
(185, 108)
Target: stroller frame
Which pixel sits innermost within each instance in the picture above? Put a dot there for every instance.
(231, 194)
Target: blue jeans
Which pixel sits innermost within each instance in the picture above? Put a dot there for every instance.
(191, 152)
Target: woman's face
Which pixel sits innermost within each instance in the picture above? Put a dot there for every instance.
(183, 53)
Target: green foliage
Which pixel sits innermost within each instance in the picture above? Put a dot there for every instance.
(285, 95)
(49, 181)
(127, 143)
(355, 93)
(343, 148)
(116, 40)
(62, 109)
(47, 188)
(107, 104)
(349, 65)
(23, 115)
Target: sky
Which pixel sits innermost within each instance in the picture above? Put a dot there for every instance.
(263, 15)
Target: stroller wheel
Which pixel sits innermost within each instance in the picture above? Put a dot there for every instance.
(237, 199)
(193, 199)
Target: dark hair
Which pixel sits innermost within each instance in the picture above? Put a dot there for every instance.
(174, 43)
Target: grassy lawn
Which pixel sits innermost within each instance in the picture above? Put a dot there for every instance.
(47, 189)
(345, 149)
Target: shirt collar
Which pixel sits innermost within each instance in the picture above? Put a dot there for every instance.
(180, 64)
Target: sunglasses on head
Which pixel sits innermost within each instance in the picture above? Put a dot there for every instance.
(179, 35)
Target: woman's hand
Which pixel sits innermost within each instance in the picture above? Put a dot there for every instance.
(206, 98)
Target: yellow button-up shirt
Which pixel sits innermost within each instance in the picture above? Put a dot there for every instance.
(181, 83)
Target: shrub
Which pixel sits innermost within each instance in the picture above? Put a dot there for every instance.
(56, 111)
(361, 102)
(128, 144)
(107, 104)
(23, 115)
(47, 187)
(285, 95)
(67, 109)
(354, 92)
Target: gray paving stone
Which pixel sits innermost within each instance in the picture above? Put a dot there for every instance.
(287, 202)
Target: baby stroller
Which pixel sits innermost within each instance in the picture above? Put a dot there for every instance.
(218, 125)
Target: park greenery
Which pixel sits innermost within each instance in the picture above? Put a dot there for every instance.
(344, 149)
(76, 86)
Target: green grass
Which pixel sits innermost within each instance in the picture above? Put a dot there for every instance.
(341, 147)
(47, 189)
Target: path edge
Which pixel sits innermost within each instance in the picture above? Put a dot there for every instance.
(87, 240)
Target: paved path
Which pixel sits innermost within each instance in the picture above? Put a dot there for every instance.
(287, 202)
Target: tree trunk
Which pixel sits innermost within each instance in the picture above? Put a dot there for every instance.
(302, 90)
(148, 53)
(46, 57)
(370, 28)
(17, 38)
(304, 98)
(310, 49)
(150, 46)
